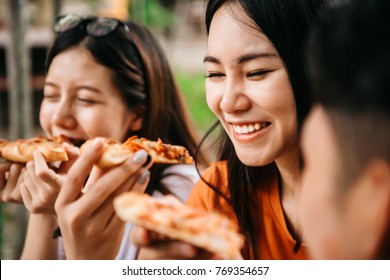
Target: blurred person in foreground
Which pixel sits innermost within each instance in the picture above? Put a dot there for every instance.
(345, 206)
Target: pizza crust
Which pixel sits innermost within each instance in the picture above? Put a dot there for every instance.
(167, 215)
(22, 150)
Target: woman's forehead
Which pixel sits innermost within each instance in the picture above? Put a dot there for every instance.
(228, 33)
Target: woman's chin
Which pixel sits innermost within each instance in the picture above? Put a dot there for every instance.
(250, 159)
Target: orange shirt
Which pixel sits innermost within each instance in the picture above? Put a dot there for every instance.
(275, 241)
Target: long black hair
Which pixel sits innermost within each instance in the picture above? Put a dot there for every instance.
(286, 23)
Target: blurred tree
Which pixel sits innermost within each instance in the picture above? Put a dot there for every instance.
(18, 65)
(114, 8)
(152, 14)
(169, 4)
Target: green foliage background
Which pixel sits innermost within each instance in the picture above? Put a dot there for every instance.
(193, 89)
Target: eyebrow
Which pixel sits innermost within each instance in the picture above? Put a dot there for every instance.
(50, 84)
(242, 59)
(90, 88)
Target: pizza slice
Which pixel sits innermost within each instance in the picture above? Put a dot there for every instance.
(22, 150)
(167, 215)
(116, 152)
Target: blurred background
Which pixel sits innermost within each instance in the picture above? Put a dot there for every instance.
(26, 34)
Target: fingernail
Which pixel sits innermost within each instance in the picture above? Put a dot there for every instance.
(97, 143)
(71, 148)
(144, 177)
(140, 156)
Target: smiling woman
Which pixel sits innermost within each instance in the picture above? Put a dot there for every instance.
(250, 79)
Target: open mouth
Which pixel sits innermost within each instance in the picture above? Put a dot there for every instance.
(250, 128)
(77, 142)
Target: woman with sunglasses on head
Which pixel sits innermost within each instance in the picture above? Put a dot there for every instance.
(110, 79)
(256, 85)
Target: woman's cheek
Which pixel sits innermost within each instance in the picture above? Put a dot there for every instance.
(212, 99)
(96, 124)
(44, 118)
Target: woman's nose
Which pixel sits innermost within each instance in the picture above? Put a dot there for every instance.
(63, 116)
(234, 98)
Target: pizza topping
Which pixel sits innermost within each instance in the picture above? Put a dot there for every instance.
(116, 152)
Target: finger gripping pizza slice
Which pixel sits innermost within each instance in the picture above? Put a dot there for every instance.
(167, 215)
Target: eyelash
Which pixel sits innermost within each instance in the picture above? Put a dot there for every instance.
(50, 96)
(258, 73)
(213, 75)
(250, 75)
(87, 101)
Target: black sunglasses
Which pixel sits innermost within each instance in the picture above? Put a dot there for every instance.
(95, 26)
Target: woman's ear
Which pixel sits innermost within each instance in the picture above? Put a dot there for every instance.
(136, 118)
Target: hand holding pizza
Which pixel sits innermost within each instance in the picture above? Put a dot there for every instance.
(26, 186)
(89, 226)
(42, 181)
(10, 180)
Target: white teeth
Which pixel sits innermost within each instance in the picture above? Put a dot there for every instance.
(250, 128)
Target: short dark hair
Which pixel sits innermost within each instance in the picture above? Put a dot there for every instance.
(349, 56)
(350, 51)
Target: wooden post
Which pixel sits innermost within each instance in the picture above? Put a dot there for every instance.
(21, 118)
(18, 62)
(57, 8)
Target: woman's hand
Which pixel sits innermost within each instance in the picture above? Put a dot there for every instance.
(154, 246)
(10, 180)
(89, 226)
(42, 183)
